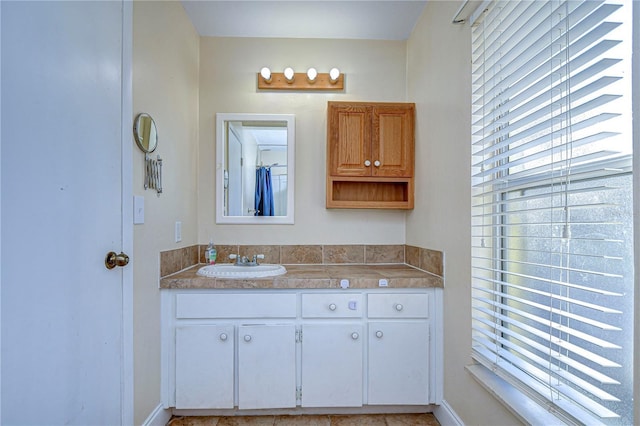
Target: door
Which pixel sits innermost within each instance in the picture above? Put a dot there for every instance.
(66, 349)
(266, 366)
(393, 140)
(204, 366)
(398, 363)
(332, 365)
(349, 140)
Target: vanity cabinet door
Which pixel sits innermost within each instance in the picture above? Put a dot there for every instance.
(398, 370)
(204, 366)
(266, 366)
(332, 365)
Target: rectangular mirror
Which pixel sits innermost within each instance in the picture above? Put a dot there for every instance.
(255, 168)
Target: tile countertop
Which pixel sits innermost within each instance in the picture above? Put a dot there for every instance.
(313, 277)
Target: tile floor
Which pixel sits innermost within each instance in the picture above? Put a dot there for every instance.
(310, 420)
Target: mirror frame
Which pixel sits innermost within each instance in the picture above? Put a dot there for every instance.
(150, 147)
(221, 218)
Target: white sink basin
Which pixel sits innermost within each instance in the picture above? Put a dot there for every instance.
(229, 270)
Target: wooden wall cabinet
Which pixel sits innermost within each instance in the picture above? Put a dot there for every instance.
(370, 155)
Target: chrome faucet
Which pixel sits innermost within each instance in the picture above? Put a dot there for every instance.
(244, 260)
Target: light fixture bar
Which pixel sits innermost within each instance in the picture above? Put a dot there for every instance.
(300, 82)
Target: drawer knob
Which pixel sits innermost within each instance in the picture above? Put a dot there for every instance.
(367, 163)
(376, 163)
(355, 335)
(399, 307)
(223, 336)
(332, 306)
(247, 338)
(379, 334)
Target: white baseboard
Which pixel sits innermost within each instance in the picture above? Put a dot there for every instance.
(158, 417)
(446, 416)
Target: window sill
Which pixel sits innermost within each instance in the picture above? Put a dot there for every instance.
(519, 404)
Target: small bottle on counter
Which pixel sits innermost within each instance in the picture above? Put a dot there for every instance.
(211, 254)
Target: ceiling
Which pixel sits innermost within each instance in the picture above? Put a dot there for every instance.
(351, 19)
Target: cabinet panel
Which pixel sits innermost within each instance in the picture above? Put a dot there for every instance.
(332, 365)
(266, 366)
(233, 305)
(204, 366)
(393, 141)
(398, 370)
(349, 140)
(398, 305)
(331, 305)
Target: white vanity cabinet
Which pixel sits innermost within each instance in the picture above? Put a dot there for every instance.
(301, 350)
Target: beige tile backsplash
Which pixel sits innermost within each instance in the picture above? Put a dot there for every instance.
(172, 261)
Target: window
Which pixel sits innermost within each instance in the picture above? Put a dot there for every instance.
(552, 243)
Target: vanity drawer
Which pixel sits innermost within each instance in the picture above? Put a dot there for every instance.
(199, 305)
(331, 305)
(398, 305)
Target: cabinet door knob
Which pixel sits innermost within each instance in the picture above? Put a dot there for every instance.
(247, 338)
(399, 307)
(332, 306)
(367, 163)
(376, 163)
(355, 335)
(223, 336)
(379, 334)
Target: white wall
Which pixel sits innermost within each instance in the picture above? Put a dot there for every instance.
(375, 71)
(439, 67)
(165, 85)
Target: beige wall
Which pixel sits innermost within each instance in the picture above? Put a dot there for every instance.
(439, 66)
(165, 85)
(375, 71)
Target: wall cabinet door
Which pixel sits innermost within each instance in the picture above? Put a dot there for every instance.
(349, 140)
(392, 140)
(398, 370)
(204, 366)
(266, 366)
(332, 365)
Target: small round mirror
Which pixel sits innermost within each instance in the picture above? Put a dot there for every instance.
(144, 131)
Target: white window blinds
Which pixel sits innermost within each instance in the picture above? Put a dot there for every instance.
(552, 255)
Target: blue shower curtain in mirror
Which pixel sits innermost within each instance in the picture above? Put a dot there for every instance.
(264, 192)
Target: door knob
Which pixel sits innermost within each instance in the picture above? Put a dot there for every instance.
(112, 260)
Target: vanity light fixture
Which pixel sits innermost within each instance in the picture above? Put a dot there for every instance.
(265, 73)
(291, 80)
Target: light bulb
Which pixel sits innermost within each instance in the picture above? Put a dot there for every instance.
(312, 74)
(265, 72)
(334, 74)
(289, 74)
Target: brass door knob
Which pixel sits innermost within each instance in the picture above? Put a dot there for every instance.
(112, 260)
